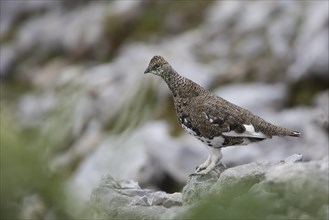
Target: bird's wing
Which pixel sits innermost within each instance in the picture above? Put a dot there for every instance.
(229, 119)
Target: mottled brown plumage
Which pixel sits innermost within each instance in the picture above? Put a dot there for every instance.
(213, 120)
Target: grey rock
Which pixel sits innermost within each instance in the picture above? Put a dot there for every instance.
(220, 181)
(283, 189)
(126, 200)
(295, 181)
(280, 190)
(249, 173)
(198, 185)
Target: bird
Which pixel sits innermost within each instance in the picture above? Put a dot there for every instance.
(211, 119)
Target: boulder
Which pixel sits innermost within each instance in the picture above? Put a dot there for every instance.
(283, 189)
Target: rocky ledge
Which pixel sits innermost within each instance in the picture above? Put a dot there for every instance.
(286, 189)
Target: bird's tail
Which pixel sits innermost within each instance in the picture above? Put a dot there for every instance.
(295, 134)
(273, 130)
(280, 131)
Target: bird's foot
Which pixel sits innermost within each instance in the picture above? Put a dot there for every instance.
(203, 165)
(211, 162)
(203, 170)
(199, 173)
(200, 168)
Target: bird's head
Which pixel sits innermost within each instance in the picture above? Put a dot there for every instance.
(158, 66)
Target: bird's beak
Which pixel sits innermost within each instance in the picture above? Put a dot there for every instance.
(147, 70)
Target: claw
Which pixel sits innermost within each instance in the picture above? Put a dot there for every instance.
(199, 168)
(212, 160)
(195, 174)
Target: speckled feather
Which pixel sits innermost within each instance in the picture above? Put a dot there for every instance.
(208, 116)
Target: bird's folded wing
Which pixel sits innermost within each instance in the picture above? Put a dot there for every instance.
(229, 122)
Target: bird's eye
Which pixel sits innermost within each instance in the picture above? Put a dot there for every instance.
(157, 66)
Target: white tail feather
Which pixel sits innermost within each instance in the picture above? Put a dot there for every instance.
(249, 132)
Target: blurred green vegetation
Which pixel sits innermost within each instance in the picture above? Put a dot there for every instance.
(245, 207)
(25, 172)
(271, 202)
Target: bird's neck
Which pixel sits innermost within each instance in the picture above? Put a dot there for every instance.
(173, 80)
(181, 86)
